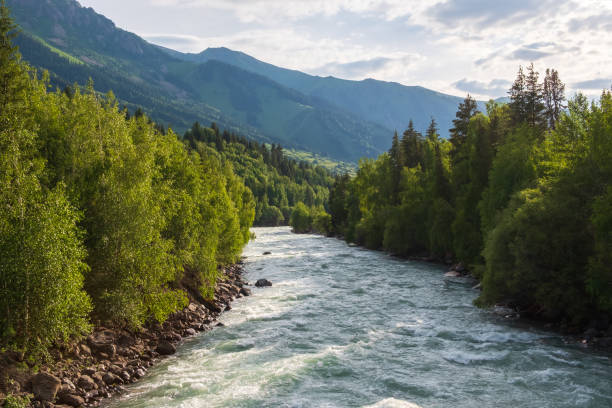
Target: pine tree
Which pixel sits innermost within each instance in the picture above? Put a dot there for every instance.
(467, 109)
(554, 95)
(534, 106)
(411, 147)
(518, 98)
(432, 131)
(395, 155)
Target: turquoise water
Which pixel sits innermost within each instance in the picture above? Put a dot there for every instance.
(347, 327)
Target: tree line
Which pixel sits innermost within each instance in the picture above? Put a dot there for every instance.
(101, 214)
(520, 193)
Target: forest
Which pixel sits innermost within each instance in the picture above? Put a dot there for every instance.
(103, 213)
(278, 183)
(519, 194)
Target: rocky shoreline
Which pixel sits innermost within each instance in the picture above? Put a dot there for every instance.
(100, 365)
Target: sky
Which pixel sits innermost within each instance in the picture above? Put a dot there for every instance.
(451, 46)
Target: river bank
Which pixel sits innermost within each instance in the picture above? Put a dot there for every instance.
(99, 366)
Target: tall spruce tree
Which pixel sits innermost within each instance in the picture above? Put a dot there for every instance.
(518, 98)
(554, 96)
(534, 104)
(432, 131)
(458, 133)
(395, 154)
(411, 146)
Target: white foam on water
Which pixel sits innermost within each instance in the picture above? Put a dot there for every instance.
(467, 358)
(392, 403)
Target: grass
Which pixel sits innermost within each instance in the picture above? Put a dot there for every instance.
(335, 166)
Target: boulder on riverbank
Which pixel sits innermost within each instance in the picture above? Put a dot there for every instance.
(165, 348)
(263, 283)
(45, 386)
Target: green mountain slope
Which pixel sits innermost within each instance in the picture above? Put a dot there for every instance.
(286, 114)
(75, 43)
(388, 104)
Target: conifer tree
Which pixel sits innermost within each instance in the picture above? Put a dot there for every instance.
(534, 106)
(458, 133)
(395, 155)
(411, 147)
(554, 95)
(432, 131)
(518, 98)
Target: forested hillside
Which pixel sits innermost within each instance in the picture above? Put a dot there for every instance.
(520, 193)
(278, 183)
(75, 43)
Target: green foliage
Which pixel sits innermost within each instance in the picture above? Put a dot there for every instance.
(550, 248)
(278, 183)
(321, 221)
(102, 213)
(41, 250)
(522, 195)
(271, 216)
(15, 401)
(301, 219)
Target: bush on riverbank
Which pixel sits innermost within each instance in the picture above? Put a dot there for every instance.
(314, 219)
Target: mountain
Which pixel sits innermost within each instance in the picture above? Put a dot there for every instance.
(341, 119)
(389, 104)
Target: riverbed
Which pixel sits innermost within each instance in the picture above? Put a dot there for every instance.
(347, 327)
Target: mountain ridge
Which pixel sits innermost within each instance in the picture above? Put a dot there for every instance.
(333, 117)
(390, 104)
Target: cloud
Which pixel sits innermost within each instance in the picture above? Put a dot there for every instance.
(267, 10)
(528, 54)
(495, 87)
(485, 13)
(176, 39)
(598, 83)
(359, 69)
(539, 45)
(594, 22)
(355, 68)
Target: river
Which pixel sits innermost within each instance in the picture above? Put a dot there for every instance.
(347, 327)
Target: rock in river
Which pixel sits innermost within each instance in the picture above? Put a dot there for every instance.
(262, 283)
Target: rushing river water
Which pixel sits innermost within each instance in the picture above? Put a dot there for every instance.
(347, 327)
